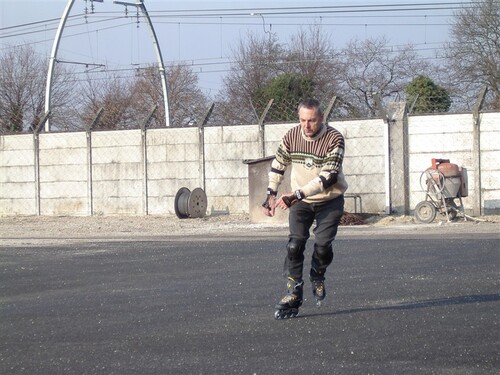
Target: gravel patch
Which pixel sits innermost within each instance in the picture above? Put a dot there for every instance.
(18, 227)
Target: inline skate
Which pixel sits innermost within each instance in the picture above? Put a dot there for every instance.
(289, 305)
(318, 289)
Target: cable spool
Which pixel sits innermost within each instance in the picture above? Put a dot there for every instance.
(190, 204)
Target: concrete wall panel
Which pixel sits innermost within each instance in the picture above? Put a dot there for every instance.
(17, 173)
(17, 206)
(175, 161)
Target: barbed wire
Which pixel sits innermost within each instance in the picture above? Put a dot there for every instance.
(280, 112)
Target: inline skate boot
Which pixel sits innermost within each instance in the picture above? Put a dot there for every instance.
(289, 305)
(318, 289)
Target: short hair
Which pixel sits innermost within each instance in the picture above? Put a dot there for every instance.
(311, 103)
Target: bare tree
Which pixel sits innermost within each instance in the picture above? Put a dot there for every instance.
(371, 67)
(127, 101)
(113, 95)
(474, 52)
(256, 62)
(14, 93)
(354, 75)
(65, 96)
(187, 103)
(22, 88)
(262, 62)
(311, 55)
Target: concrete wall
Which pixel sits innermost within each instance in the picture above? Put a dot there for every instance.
(63, 168)
(18, 189)
(364, 162)
(226, 177)
(452, 137)
(117, 170)
(174, 161)
(137, 172)
(442, 137)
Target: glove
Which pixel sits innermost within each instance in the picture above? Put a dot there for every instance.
(270, 193)
(291, 199)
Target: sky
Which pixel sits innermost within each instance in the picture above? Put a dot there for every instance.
(203, 34)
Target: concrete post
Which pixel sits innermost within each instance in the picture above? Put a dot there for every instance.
(476, 153)
(262, 135)
(88, 132)
(398, 156)
(144, 147)
(36, 149)
(201, 143)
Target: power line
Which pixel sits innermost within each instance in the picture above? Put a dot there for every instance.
(272, 11)
(320, 9)
(229, 61)
(34, 23)
(324, 12)
(67, 26)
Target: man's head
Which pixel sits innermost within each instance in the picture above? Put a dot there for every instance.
(310, 117)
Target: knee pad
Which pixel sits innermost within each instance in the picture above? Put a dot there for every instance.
(323, 254)
(295, 248)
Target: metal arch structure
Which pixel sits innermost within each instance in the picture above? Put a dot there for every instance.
(55, 47)
(140, 4)
(52, 60)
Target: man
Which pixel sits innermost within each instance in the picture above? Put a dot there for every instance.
(315, 152)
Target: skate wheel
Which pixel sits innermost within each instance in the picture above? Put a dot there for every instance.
(285, 314)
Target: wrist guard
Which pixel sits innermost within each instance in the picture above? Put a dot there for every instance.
(270, 193)
(290, 200)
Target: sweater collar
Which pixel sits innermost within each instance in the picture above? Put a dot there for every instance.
(319, 134)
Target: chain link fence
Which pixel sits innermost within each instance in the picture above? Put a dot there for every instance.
(139, 171)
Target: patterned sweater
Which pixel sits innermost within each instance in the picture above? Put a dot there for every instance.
(316, 164)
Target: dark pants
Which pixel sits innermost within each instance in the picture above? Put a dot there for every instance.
(301, 218)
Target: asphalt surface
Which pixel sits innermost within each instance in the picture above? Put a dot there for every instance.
(395, 305)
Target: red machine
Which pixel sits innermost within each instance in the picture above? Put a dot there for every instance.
(445, 185)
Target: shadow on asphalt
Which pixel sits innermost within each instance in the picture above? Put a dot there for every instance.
(460, 300)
